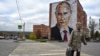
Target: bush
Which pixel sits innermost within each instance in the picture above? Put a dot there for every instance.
(32, 36)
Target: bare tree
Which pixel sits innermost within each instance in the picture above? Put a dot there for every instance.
(92, 26)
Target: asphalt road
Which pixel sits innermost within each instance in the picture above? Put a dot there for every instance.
(93, 48)
(7, 46)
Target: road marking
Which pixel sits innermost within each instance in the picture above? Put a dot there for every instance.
(52, 54)
(34, 49)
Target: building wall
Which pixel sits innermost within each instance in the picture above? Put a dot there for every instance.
(81, 15)
(41, 29)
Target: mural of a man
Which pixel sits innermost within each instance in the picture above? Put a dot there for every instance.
(61, 30)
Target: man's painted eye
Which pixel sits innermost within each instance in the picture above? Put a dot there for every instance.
(65, 13)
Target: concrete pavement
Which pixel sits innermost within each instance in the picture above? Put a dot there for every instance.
(40, 49)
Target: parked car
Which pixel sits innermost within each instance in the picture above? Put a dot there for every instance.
(7, 37)
(98, 40)
(1, 37)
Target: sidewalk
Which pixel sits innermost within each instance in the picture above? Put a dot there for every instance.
(39, 49)
(28, 41)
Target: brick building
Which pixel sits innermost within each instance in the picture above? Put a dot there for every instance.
(41, 30)
(81, 15)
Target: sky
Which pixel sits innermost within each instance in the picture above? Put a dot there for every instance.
(35, 12)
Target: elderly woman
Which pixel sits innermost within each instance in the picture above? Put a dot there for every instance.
(77, 37)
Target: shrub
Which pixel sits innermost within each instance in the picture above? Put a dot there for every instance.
(32, 36)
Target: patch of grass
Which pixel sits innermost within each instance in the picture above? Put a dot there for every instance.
(42, 40)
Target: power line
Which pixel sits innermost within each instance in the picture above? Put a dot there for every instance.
(18, 11)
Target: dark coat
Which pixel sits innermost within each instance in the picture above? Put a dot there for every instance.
(55, 33)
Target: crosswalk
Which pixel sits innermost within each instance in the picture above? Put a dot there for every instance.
(40, 49)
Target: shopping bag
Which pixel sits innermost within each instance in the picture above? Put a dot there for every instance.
(68, 52)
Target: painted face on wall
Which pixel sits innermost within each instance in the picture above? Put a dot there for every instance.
(63, 14)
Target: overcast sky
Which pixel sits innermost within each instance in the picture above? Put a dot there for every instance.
(34, 12)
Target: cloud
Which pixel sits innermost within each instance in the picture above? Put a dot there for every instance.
(91, 7)
(35, 12)
(6, 26)
(37, 19)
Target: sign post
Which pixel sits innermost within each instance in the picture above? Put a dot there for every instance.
(19, 26)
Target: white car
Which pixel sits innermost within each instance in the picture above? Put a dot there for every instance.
(1, 37)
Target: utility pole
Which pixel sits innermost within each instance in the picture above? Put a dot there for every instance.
(23, 24)
(24, 31)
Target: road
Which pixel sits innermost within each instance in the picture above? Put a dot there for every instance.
(7, 46)
(93, 48)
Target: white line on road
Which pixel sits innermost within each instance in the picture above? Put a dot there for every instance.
(52, 54)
